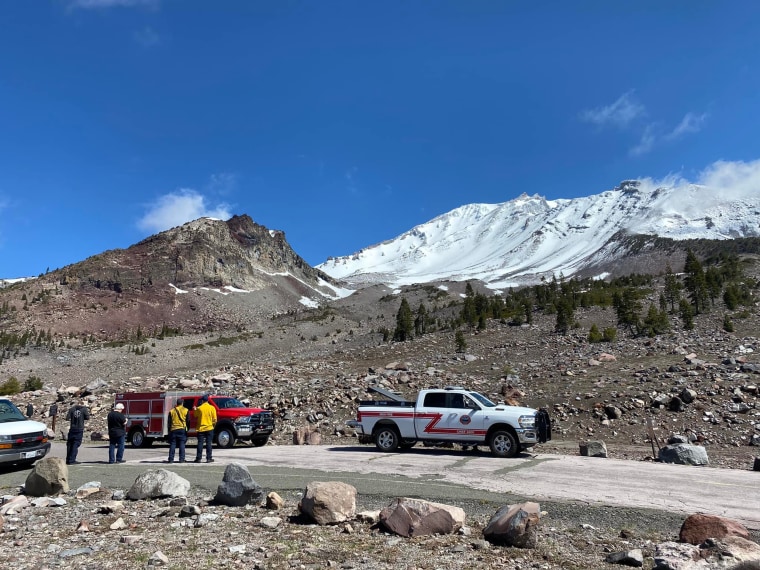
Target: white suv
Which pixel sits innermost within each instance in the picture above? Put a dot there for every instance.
(22, 441)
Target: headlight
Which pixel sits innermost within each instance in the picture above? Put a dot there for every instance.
(243, 420)
(6, 438)
(527, 421)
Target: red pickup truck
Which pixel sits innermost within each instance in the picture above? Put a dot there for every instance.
(147, 417)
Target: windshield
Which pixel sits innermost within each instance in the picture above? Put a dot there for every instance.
(9, 412)
(224, 403)
(482, 399)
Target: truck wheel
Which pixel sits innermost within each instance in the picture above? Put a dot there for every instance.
(406, 444)
(259, 441)
(386, 439)
(503, 444)
(137, 438)
(225, 438)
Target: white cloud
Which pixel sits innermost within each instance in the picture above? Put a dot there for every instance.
(690, 123)
(90, 4)
(717, 183)
(147, 37)
(620, 113)
(647, 141)
(177, 208)
(736, 179)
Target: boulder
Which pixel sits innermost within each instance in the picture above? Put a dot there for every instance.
(677, 556)
(514, 525)
(158, 483)
(593, 449)
(274, 502)
(416, 517)
(238, 487)
(328, 502)
(49, 476)
(634, 558)
(699, 527)
(684, 454)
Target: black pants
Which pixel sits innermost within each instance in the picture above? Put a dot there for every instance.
(73, 441)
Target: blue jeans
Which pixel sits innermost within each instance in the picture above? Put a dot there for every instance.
(177, 439)
(73, 441)
(205, 439)
(116, 448)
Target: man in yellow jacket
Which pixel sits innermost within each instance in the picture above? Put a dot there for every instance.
(205, 420)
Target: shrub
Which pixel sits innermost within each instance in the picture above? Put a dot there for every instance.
(32, 383)
(594, 335)
(610, 333)
(10, 386)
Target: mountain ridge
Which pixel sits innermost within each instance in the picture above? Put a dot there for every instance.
(528, 238)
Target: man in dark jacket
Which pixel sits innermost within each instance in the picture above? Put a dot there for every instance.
(77, 415)
(117, 433)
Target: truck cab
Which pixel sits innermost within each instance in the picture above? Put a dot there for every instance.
(22, 441)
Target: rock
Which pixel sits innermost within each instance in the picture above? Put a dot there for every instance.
(315, 438)
(514, 525)
(274, 502)
(88, 489)
(328, 502)
(633, 558)
(687, 396)
(14, 506)
(416, 517)
(158, 558)
(49, 476)
(49, 502)
(684, 454)
(118, 524)
(300, 435)
(593, 449)
(238, 487)
(699, 527)
(677, 556)
(270, 522)
(158, 483)
(613, 412)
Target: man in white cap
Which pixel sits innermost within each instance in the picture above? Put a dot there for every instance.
(117, 433)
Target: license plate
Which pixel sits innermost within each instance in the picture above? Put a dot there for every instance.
(28, 454)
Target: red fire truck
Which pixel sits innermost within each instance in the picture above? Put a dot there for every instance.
(148, 417)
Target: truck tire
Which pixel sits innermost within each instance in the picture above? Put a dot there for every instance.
(259, 441)
(137, 438)
(387, 438)
(407, 444)
(503, 443)
(225, 438)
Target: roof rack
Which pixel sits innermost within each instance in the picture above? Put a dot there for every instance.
(453, 388)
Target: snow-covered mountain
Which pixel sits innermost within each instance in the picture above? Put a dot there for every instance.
(520, 241)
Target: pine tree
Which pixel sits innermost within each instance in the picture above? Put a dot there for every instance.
(404, 322)
(695, 283)
(687, 314)
(420, 321)
(460, 342)
(672, 289)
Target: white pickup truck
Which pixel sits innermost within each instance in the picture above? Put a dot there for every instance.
(22, 441)
(449, 415)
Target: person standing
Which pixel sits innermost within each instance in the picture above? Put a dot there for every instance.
(76, 416)
(53, 413)
(178, 431)
(117, 433)
(29, 410)
(205, 420)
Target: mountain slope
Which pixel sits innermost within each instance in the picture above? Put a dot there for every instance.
(520, 241)
(237, 271)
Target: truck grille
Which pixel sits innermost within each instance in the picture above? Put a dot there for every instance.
(262, 419)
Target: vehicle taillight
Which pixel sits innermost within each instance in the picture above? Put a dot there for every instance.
(358, 417)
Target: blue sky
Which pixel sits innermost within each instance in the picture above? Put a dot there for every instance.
(346, 123)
